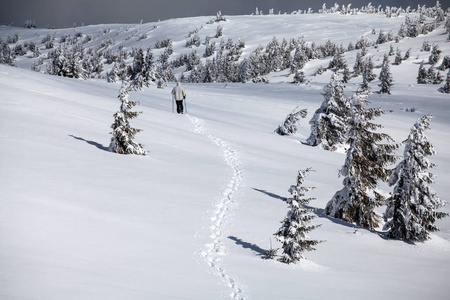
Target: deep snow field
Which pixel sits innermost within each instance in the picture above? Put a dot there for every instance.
(192, 219)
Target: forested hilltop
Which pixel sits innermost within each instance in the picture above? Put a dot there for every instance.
(217, 50)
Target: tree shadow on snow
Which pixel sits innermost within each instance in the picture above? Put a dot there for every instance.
(320, 213)
(99, 146)
(271, 194)
(250, 246)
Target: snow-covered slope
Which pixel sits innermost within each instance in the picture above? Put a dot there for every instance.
(192, 219)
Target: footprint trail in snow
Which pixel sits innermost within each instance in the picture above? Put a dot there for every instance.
(214, 251)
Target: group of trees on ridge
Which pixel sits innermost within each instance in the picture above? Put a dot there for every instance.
(411, 209)
(222, 59)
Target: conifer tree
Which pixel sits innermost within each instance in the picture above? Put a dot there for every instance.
(365, 164)
(398, 57)
(210, 47)
(358, 67)
(299, 60)
(433, 77)
(245, 70)
(407, 54)
(76, 66)
(446, 87)
(122, 140)
(293, 232)
(426, 46)
(210, 71)
(422, 76)
(364, 86)
(338, 60)
(299, 77)
(290, 123)
(113, 76)
(411, 210)
(382, 37)
(385, 77)
(328, 125)
(391, 50)
(346, 76)
(435, 55)
(445, 63)
(431, 74)
(368, 70)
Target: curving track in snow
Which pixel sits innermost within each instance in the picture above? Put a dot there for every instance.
(214, 251)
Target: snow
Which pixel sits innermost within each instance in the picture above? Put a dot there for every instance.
(192, 218)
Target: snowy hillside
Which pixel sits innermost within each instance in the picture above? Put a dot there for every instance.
(192, 219)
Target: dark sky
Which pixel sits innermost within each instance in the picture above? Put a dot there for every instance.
(64, 13)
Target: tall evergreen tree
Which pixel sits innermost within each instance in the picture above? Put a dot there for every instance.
(293, 232)
(365, 164)
(386, 81)
(411, 210)
(328, 125)
(122, 140)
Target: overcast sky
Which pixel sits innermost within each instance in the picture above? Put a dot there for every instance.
(64, 13)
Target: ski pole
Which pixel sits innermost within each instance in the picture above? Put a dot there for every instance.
(172, 104)
(185, 106)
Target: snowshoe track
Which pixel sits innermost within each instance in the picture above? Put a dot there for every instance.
(214, 251)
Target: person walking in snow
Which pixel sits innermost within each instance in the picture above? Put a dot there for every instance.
(179, 94)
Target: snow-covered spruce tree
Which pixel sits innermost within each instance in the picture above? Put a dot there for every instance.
(407, 54)
(433, 77)
(435, 55)
(245, 71)
(391, 50)
(122, 140)
(426, 46)
(446, 87)
(113, 75)
(422, 76)
(411, 210)
(346, 75)
(338, 60)
(300, 59)
(290, 123)
(386, 81)
(328, 125)
(293, 233)
(368, 70)
(398, 57)
(382, 38)
(299, 77)
(445, 63)
(359, 65)
(366, 163)
(364, 87)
